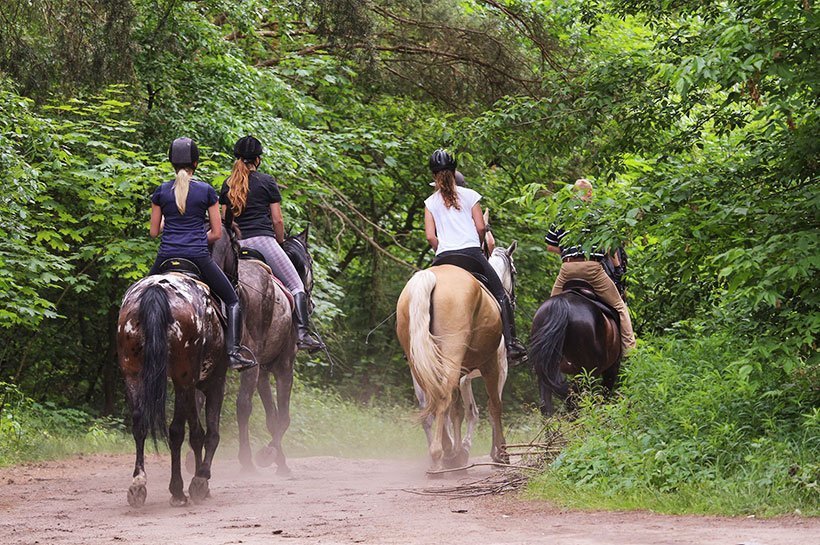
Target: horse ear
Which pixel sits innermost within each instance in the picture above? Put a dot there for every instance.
(303, 236)
(513, 247)
(487, 216)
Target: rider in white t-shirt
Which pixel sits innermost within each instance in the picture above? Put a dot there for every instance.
(454, 224)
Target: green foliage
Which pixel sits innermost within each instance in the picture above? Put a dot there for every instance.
(35, 431)
(696, 121)
(701, 425)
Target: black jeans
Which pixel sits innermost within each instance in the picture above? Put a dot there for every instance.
(211, 275)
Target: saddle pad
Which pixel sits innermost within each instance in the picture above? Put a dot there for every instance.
(288, 294)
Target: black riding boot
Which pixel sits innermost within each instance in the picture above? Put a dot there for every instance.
(233, 335)
(306, 339)
(516, 352)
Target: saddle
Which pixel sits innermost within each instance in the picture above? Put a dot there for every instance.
(256, 255)
(584, 289)
(466, 262)
(187, 268)
(182, 266)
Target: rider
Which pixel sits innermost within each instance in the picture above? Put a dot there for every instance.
(178, 210)
(576, 264)
(254, 199)
(454, 224)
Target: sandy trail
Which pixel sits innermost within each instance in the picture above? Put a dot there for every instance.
(329, 500)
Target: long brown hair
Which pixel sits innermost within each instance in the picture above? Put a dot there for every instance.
(446, 185)
(238, 186)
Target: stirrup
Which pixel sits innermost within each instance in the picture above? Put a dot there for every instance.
(310, 343)
(516, 354)
(238, 363)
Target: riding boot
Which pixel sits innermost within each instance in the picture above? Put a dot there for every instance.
(516, 352)
(306, 340)
(233, 335)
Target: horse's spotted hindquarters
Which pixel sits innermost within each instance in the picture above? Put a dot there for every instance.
(167, 327)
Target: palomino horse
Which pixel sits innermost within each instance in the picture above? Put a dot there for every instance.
(450, 329)
(168, 326)
(269, 332)
(572, 334)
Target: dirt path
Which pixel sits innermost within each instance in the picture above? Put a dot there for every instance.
(328, 501)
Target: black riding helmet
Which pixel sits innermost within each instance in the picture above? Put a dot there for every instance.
(247, 148)
(183, 152)
(442, 160)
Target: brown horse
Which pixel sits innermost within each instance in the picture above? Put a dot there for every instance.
(168, 326)
(269, 332)
(571, 334)
(450, 327)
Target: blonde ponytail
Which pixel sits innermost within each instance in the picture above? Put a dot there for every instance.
(238, 186)
(181, 185)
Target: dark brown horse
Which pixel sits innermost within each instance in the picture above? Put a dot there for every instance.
(168, 326)
(269, 332)
(571, 333)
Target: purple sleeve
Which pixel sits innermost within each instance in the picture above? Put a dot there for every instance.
(155, 195)
(212, 199)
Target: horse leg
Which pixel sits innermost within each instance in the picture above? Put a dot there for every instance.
(244, 407)
(214, 394)
(546, 399)
(495, 376)
(194, 457)
(610, 378)
(284, 385)
(184, 404)
(196, 435)
(454, 454)
(137, 491)
(436, 444)
(427, 423)
(471, 408)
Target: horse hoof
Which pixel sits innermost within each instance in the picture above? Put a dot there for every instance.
(178, 502)
(198, 489)
(283, 470)
(136, 495)
(266, 456)
(190, 463)
(461, 458)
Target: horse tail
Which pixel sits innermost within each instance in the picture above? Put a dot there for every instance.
(427, 361)
(547, 343)
(155, 317)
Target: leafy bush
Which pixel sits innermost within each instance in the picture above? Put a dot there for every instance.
(32, 431)
(704, 425)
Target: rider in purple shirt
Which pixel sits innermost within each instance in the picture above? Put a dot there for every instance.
(188, 206)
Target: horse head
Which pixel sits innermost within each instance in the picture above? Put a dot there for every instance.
(225, 251)
(502, 261)
(296, 248)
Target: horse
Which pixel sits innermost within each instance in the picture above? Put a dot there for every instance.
(269, 332)
(572, 333)
(168, 326)
(451, 335)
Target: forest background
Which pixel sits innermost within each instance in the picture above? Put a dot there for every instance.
(696, 120)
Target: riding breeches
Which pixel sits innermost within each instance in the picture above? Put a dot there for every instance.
(604, 287)
(278, 261)
(211, 275)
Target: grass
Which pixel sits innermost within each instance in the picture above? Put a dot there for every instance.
(322, 424)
